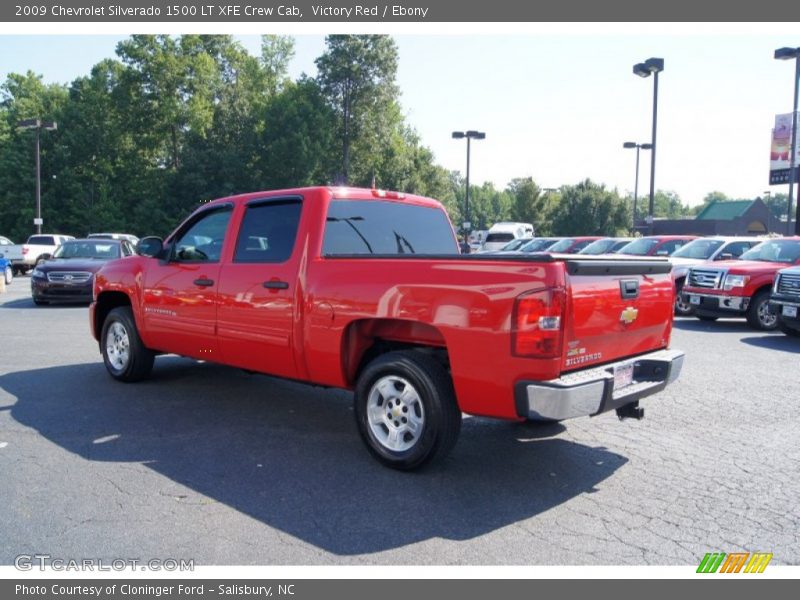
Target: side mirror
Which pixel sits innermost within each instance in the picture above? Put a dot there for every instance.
(725, 256)
(151, 247)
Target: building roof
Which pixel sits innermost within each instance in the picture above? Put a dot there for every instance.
(725, 210)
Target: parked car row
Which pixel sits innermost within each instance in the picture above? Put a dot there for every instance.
(762, 286)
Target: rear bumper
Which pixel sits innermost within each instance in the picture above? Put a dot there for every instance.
(591, 391)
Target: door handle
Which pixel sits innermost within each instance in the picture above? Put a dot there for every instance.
(203, 282)
(276, 285)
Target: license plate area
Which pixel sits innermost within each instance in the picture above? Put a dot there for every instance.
(789, 311)
(623, 375)
(694, 300)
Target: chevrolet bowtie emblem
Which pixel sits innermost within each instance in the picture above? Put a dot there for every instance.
(629, 315)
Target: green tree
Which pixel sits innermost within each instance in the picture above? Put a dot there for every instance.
(357, 75)
(589, 208)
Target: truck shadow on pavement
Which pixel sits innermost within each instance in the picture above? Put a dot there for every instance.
(722, 326)
(784, 343)
(289, 455)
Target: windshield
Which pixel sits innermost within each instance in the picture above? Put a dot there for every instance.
(87, 249)
(562, 245)
(538, 245)
(599, 246)
(701, 249)
(782, 251)
(515, 245)
(640, 247)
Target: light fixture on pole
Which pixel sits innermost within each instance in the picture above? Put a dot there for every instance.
(38, 125)
(636, 180)
(652, 66)
(788, 54)
(470, 135)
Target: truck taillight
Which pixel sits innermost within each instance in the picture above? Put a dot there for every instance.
(536, 326)
(25, 250)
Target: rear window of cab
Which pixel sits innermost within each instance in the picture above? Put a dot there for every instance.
(367, 227)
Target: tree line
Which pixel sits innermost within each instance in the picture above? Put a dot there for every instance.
(174, 121)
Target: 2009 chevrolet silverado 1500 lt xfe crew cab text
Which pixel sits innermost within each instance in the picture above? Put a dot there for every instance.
(366, 290)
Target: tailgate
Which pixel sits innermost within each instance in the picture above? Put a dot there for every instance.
(11, 252)
(616, 308)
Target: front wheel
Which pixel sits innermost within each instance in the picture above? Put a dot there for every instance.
(406, 409)
(682, 308)
(125, 356)
(759, 313)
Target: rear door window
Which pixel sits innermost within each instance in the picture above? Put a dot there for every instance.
(268, 231)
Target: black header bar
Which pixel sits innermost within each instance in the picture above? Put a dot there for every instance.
(419, 11)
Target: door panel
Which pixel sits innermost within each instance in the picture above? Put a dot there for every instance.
(180, 294)
(257, 290)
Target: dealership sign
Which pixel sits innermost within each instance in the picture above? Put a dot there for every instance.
(780, 150)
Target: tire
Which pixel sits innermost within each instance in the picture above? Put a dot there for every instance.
(125, 356)
(396, 390)
(708, 318)
(17, 270)
(9, 275)
(790, 331)
(682, 309)
(759, 315)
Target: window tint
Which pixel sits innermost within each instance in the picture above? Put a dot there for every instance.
(701, 249)
(378, 227)
(639, 247)
(202, 241)
(494, 238)
(42, 240)
(667, 248)
(736, 249)
(268, 231)
(562, 245)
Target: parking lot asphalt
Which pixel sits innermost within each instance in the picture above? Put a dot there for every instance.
(210, 463)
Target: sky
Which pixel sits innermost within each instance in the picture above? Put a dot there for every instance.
(554, 106)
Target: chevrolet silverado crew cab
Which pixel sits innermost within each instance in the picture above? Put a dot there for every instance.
(366, 290)
(741, 288)
(785, 300)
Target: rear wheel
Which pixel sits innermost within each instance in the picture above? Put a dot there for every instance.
(125, 356)
(759, 314)
(9, 275)
(406, 409)
(706, 318)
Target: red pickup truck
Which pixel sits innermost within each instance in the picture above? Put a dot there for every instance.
(741, 288)
(366, 290)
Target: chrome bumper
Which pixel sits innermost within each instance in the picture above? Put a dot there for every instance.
(591, 391)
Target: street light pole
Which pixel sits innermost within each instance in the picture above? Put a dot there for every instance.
(787, 54)
(768, 196)
(652, 66)
(38, 125)
(636, 181)
(469, 135)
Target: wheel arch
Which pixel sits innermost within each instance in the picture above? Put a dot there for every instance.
(364, 340)
(105, 303)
